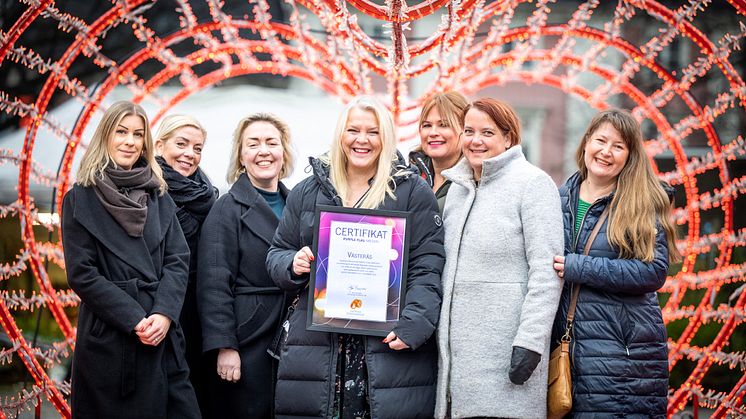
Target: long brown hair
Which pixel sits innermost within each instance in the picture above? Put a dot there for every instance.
(639, 200)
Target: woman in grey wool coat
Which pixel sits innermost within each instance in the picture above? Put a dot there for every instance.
(503, 227)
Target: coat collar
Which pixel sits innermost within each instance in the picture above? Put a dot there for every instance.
(571, 188)
(463, 174)
(134, 251)
(258, 217)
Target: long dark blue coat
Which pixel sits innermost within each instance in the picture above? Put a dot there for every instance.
(401, 383)
(619, 353)
(120, 280)
(239, 304)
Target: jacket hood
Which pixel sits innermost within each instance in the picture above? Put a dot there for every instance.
(669, 190)
(423, 164)
(400, 170)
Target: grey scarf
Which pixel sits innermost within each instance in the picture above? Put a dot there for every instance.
(124, 194)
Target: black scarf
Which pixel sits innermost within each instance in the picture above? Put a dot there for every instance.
(193, 195)
(124, 195)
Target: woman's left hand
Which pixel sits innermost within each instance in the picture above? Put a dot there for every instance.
(559, 265)
(394, 342)
(155, 329)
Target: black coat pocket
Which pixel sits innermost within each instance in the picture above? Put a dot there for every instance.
(97, 326)
(252, 324)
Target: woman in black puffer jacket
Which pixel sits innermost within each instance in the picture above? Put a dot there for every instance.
(341, 375)
(618, 351)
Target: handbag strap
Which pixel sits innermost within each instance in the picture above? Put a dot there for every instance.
(576, 287)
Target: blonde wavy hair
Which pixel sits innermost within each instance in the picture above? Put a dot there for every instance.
(383, 183)
(236, 168)
(171, 123)
(96, 158)
(639, 200)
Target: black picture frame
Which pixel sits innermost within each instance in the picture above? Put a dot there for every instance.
(400, 223)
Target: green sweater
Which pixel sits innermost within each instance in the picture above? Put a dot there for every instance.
(582, 209)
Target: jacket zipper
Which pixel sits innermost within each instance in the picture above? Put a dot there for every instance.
(333, 375)
(625, 333)
(367, 380)
(574, 249)
(471, 206)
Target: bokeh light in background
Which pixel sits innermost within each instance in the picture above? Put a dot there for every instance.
(477, 45)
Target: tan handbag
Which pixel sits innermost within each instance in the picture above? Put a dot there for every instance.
(559, 392)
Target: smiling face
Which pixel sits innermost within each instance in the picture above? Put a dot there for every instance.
(438, 140)
(183, 150)
(482, 139)
(261, 154)
(361, 142)
(126, 142)
(605, 154)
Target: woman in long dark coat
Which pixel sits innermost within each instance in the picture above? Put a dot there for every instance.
(127, 260)
(239, 305)
(178, 143)
(349, 376)
(619, 350)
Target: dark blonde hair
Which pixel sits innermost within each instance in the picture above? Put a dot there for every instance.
(639, 200)
(172, 123)
(236, 168)
(96, 158)
(501, 114)
(450, 106)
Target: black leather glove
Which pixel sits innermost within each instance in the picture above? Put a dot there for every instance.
(522, 364)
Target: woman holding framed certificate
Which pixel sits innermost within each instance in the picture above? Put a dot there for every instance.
(500, 292)
(332, 374)
(239, 305)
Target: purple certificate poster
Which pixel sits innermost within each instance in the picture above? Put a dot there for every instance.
(358, 278)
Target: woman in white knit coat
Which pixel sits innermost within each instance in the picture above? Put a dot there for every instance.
(503, 226)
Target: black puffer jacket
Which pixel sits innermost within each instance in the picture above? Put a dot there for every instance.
(424, 164)
(619, 352)
(401, 383)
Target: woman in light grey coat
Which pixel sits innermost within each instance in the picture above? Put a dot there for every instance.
(503, 226)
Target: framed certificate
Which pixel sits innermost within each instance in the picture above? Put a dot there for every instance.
(359, 272)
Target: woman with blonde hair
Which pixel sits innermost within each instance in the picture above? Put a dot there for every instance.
(440, 141)
(239, 305)
(178, 144)
(127, 260)
(325, 374)
(619, 349)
